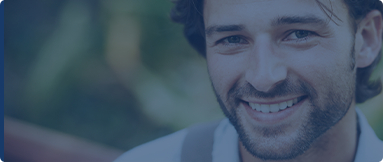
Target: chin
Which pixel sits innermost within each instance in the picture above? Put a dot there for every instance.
(286, 141)
(273, 143)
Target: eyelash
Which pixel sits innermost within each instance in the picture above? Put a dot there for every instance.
(298, 40)
(222, 41)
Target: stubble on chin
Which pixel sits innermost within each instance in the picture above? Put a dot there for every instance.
(272, 143)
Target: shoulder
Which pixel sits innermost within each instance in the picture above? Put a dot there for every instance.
(164, 149)
(370, 147)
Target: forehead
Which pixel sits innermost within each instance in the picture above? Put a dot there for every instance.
(263, 11)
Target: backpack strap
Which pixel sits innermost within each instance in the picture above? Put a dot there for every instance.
(198, 143)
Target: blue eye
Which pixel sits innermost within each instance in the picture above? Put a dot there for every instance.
(233, 39)
(232, 44)
(299, 35)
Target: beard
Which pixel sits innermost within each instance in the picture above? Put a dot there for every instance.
(325, 109)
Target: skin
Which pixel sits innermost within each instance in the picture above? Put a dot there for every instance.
(252, 57)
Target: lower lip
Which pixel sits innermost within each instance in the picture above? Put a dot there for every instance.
(272, 118)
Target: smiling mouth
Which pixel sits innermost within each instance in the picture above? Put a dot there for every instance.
(272, 108)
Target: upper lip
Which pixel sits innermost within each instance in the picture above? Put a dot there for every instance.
(270, 101)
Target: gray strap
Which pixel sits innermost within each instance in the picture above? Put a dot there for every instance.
(198, 143)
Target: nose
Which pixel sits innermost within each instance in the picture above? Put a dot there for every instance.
(265, 68)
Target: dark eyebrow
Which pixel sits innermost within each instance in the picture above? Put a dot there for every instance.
(223, 28)
(309, 19)
(284, 20)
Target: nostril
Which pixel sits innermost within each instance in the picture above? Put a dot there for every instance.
(264, 79)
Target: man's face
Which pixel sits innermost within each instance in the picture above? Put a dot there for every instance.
(282, 71)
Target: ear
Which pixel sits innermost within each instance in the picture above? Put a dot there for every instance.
(368, 39)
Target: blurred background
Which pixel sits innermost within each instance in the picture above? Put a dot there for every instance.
(91, 79)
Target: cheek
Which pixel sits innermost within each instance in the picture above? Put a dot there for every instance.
(224, 71)
(317, 68)
(325, 70)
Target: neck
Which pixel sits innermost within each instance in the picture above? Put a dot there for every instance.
(338, 144)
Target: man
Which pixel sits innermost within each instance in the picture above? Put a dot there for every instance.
(287, 74)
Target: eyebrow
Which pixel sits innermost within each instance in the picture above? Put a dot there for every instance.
(279, 21)
(223, 28)
(308, 19)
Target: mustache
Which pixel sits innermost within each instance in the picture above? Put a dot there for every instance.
(281, 89)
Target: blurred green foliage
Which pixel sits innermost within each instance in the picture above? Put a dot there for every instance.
(56, 74)
(118, 72)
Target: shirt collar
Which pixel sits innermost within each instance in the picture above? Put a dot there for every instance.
(370, 148)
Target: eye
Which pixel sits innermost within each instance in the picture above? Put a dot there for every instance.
(231, 44)
(299, 35)
(232, 40)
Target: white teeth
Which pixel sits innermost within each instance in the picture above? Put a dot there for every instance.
(266, 108)
(290, 103)
(258, 107)
(252, 105)
(255, 106)
(274, 107)
(283, 105)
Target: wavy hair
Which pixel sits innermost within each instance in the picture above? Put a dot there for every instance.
(190, 14)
